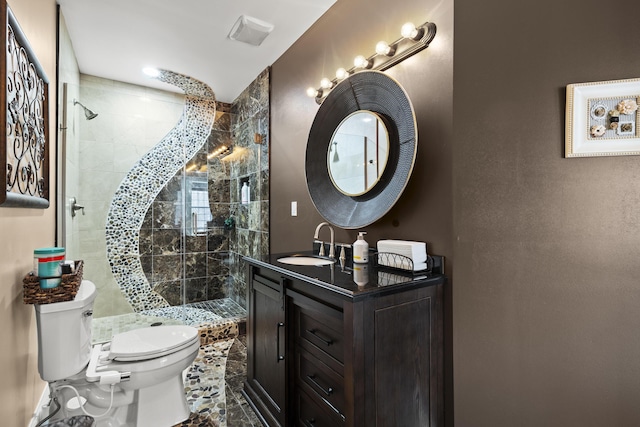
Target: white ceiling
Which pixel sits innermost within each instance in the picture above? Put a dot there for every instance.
(116, 39)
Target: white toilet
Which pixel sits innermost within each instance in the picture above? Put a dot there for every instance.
(135, 380)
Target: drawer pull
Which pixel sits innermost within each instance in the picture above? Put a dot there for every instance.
(327, 391)
(310, 423)
(327, 341)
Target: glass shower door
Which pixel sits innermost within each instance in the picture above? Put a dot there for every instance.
(95, 157)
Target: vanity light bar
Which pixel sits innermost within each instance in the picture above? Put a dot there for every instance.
(413, 39)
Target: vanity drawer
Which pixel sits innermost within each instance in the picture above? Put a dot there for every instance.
(310, 414)
(322, 383)
(322, 327)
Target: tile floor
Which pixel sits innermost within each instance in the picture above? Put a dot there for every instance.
(214, 382)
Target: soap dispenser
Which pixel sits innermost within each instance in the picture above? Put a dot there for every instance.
(361, 249)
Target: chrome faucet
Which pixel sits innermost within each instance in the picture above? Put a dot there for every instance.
(332, 249)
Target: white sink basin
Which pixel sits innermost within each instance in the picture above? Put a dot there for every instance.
(305, 260)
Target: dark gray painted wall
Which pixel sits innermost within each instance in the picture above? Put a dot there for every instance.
(547, 278)
(546, 281)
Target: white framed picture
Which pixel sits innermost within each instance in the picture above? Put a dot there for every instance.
(602, 119)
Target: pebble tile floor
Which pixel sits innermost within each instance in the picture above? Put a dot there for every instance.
(213, 385)
(214, 381)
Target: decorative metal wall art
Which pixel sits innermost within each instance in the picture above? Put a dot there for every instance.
(24, 151)
(602, 119)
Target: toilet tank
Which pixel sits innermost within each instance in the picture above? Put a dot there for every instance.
(64, 334)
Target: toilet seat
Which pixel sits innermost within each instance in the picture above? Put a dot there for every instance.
(149, 343)
(140, 350)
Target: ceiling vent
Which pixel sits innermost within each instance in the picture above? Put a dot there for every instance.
(250, 30)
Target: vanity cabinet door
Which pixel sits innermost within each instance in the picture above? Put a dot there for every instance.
(265, 387)
(403, 359)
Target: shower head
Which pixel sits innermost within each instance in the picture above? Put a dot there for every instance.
(88, 114)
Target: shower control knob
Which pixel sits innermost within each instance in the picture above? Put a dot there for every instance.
(75, 207)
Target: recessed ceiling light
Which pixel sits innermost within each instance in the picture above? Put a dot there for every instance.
(151, 72)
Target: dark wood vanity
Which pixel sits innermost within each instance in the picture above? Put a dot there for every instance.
(323, 351)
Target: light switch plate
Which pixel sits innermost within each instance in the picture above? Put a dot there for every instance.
(294, 208)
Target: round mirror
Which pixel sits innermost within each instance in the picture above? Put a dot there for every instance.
(368, 94)
(358, 153)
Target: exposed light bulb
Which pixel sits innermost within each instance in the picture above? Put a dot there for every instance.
(421, 35)
(361, 62)
(382, 48)
(312, 92)
(341, 74)
(409, 31)
(325, 83)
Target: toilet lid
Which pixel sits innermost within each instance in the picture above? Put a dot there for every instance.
(155, 341)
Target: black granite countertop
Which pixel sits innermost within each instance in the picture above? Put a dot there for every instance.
(342, 278)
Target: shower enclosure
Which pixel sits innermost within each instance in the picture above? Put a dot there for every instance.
(183, 257)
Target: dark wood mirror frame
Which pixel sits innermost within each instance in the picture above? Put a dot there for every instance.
(371, 91)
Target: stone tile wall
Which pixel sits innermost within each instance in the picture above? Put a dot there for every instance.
(167, 253)
(251, 118)
(213, 264)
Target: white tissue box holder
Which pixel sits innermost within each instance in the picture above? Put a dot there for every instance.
(403, 255)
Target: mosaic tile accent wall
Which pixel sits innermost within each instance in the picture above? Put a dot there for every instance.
(144, 182)
(212, 255)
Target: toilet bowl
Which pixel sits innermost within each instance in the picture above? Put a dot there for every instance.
(133, 380)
